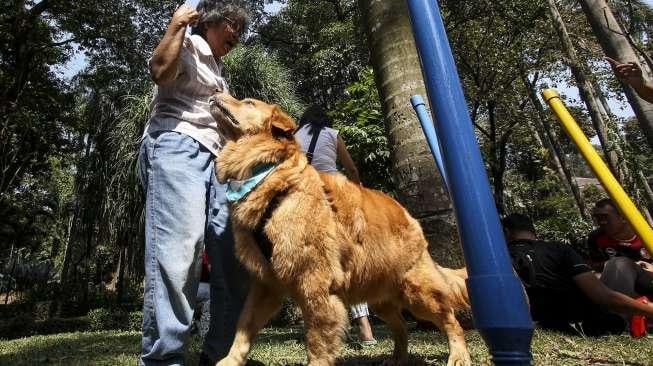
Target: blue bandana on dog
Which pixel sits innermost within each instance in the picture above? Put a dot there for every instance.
(238, 189)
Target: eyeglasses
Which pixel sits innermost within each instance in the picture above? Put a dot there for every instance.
(234, 27)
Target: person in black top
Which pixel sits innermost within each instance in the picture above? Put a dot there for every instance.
(563, 291)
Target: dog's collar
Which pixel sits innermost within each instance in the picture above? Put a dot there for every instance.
(238, 189)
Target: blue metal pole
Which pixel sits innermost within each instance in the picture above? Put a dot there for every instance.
(431, 136)
(498, 303)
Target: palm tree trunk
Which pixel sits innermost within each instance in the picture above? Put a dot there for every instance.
(398, 76)
(585, 89)
(615, 45)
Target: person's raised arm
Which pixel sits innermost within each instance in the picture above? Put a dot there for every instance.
(631, 74)
(347, 162)
(599, 293)
(165, 58)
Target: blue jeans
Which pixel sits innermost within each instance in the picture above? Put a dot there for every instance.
(186, 210)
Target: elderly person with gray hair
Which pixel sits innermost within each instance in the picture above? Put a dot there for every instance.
(185, 205)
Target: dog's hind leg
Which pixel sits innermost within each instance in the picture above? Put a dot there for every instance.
(261, 305)
(429, 298)
(325, 317)
(391, 315)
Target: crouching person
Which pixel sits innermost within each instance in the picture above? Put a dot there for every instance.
(563, 291)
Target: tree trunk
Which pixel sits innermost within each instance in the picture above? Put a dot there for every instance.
(585, 89)
(497, 157)
(649, 196)
(552, 144)
(119, 275)
(398, 76)
(615, 45)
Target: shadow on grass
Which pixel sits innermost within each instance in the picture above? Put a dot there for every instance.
(605, 361)
(71, 349)
(413, 360)
(296, 335)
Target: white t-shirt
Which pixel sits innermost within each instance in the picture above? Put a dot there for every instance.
(326, 147)
(183, 104)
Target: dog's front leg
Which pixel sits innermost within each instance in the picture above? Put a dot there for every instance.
(261, 304)
(325, 317)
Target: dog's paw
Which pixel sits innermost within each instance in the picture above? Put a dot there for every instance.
(459, 359)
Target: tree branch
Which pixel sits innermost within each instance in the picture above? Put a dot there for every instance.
(39, 8)
(483, 131)
(475, 109)
(57, 44)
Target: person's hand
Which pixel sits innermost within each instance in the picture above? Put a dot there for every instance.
(646, 265)
(629, 73)
(183, 16)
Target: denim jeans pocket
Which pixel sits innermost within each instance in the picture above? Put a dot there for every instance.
(173, 143)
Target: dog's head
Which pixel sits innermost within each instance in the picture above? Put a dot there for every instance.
(237, 118)
(256, 133)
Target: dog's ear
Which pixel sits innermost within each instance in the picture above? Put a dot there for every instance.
(281, 125)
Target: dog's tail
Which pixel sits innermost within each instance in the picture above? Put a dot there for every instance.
(456, 279)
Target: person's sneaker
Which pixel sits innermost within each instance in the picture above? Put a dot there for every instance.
(637, 323)
(368, 343)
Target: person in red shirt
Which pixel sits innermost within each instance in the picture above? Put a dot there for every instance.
(618, 253)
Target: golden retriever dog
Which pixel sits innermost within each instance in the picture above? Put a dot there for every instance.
(325, 242)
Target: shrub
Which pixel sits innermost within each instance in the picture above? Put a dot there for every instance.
(99, 318)
(108, 319)
(61, 325)
(135, 321)
(24, 326)
(19, 326)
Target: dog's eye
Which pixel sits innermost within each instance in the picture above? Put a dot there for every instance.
(248, 102)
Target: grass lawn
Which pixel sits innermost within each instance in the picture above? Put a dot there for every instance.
(277, 346)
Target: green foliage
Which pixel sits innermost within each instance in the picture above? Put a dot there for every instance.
(321, 43)
(359, 119)
(638, 152)
(25, 326)
(54, 134)
(532, 188)
(253, 72)
(135, 321)
(18, 326)
(114, 319)
(101, 319)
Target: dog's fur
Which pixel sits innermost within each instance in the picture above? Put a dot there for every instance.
(332, 243)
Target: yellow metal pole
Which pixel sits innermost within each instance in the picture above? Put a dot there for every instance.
(619, 196)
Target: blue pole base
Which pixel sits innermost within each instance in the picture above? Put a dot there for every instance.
(500, 358)
(502, 317)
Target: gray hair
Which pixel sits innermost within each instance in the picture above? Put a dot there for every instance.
(215, 11)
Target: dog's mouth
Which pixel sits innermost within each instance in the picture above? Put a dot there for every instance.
(217, 106)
